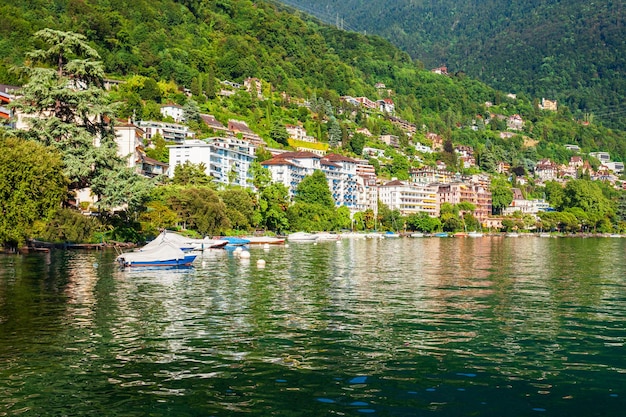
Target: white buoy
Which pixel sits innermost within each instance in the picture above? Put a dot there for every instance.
(266, 246)
(244, 254)
(260, 264)
(237, 251)
(286, 245)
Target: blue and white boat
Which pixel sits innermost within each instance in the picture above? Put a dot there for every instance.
(164, 254)
(235, 241)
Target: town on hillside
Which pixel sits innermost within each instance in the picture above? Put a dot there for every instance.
(228, 152)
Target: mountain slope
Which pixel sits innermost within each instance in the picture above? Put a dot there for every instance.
(573, 51)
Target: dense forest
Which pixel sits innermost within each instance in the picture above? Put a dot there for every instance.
(573, 51)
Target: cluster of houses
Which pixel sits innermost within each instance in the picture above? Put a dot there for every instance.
(352, 181)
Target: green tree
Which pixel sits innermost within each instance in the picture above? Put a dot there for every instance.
(159, 151)
(192, 174)
(157, 216)
(70, 107)
(279, 134)
(32, 187)
(314, 189)
(241, 208)
(201, 209)
(334, 132)
(342, 220)
(273, 204)
(501, 194)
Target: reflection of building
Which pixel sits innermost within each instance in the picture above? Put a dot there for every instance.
(227, 160)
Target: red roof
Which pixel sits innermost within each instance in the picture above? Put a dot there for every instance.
(297, 155)
(277, 161)
(339, 158)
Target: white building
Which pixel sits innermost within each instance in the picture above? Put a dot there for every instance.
(174, 111)
(129, 139)
(603, 157)
(410, 198)
(616, 167)
(227, 160)
(171, 132)
(289, 168)
(524, 206)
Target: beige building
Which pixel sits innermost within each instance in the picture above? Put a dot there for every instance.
(409, 198)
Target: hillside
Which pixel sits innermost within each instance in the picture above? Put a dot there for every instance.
(573, 51)
(187, 41)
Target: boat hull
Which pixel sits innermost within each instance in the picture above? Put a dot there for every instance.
(186, 261)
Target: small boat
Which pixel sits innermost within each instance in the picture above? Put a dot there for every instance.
(302, 237)
(512, 234)
(417, 234)
(235, 241)
(460, 234)
(475, 234)
(441, 234)
(391, 235)
(164, 254)
(615, 235)
(185, 243)
(544, 235)
(324, 236)
(265, 240)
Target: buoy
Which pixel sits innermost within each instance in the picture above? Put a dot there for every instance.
(266, 246)
(244, 254)
(286, 245)
(260, 263)
(237, 251)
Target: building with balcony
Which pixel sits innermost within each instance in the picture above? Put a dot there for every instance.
(410, 198)
(171, 132)
(227, 160)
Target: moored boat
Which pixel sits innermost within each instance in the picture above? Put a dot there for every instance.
(163, 254)
(325, 236)
(302, 237)
(185, 243)
(475, 234)
(391, 235)
(263, 240)
(417, 234)
(235, 241)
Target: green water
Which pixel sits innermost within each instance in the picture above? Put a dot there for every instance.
(398, 327)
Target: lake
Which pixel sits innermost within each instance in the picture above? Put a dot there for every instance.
(490, 326)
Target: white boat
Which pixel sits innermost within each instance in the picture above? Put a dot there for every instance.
(475, 234)
(544, 235)
(262, 240)
(391, 235)
(302, 237)
(512, 234)
(324, 236)
(417, 234)
(163, 254)
(185, 243)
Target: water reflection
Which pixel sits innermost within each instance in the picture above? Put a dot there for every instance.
(488, 326)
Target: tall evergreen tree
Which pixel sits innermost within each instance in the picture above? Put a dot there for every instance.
(68, 108)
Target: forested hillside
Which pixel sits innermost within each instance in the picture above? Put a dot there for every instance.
(187, 41)
(573, 51)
